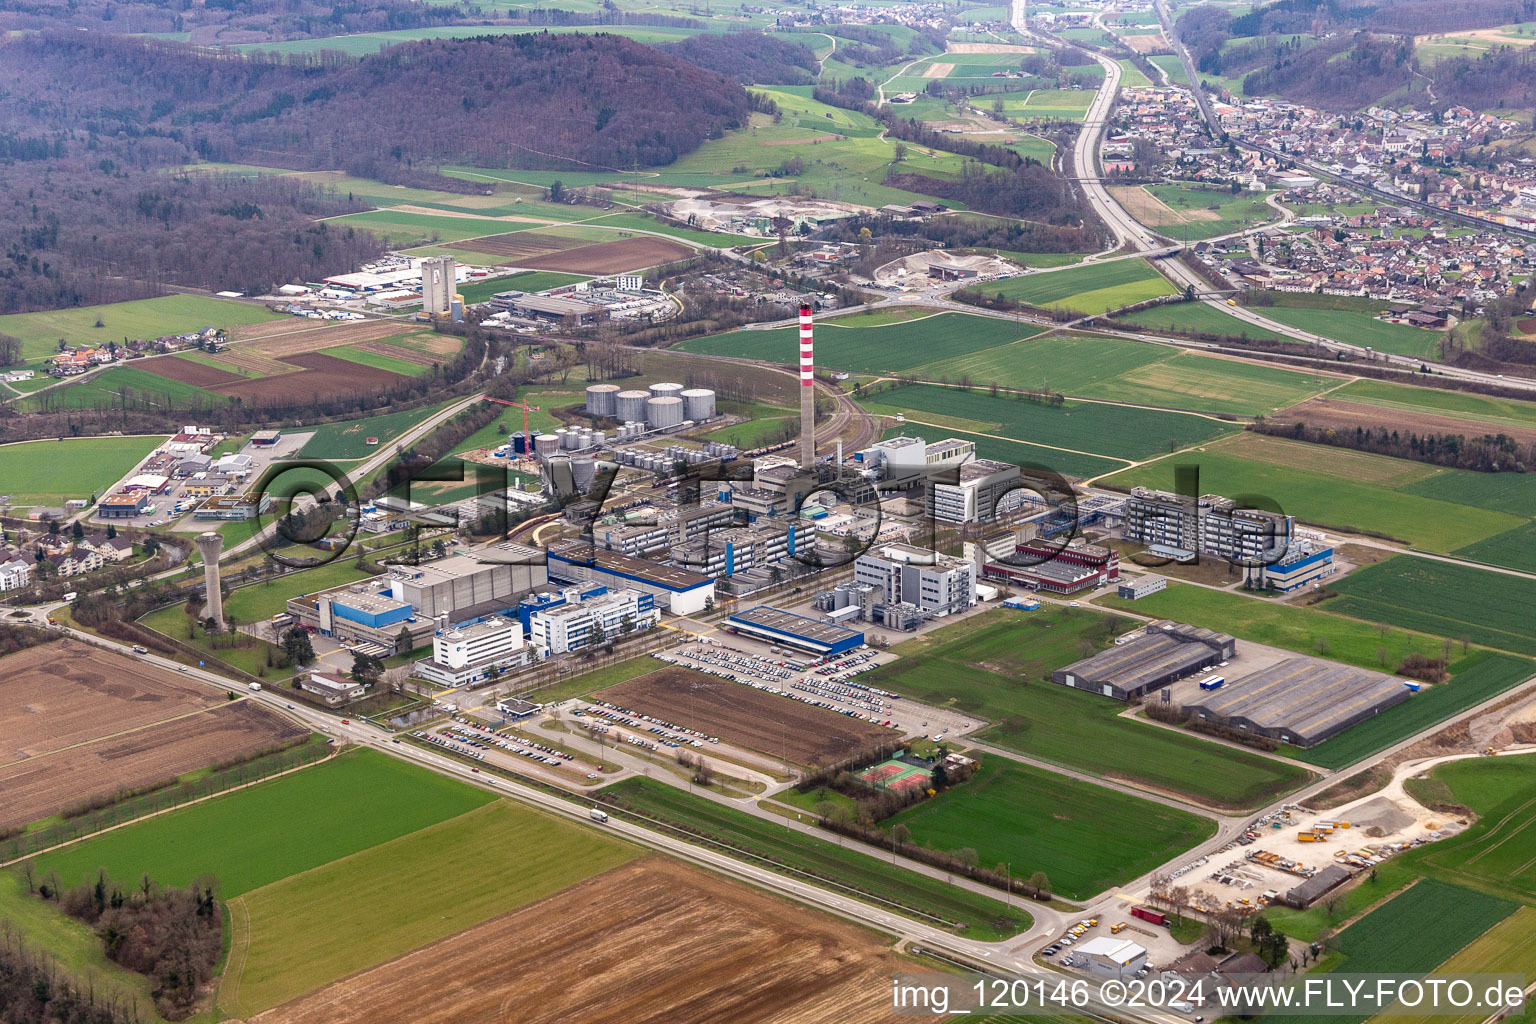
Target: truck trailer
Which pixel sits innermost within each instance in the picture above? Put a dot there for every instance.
(597, 815)
(1213, 682)
(1150, 916)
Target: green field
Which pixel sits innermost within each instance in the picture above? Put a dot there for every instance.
(1478, 677)
(1195, 318)
(142, 318)
(1514, 493)
(1095, 288)
(527, 281)
(1331, 487)
(1085, 838)
(1497, 412)
(869, 875)
(1509, 947)
(256, 836)
(1233, 212)
(887, 348)
(1131, 76)
(1116, 431)
(1494, 854)
(1286, 626)
(1443, 598)
(401, 228)
(1514, 549)
(310, 929)
(998, 665)
(1357, 328)
(404, 367)
(347, 439)
(1375, 944)
(109, 388)
(49, 473)
(1020, 453)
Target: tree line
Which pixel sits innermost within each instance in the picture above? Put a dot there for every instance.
(1485, 453)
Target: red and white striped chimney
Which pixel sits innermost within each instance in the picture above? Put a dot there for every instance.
(807, 391)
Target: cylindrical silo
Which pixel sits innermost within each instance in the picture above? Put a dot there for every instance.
(572, 439)
(557, 470)
(600, 399)
(664, 412)
(699, 404)
(666, 390)
(629, 406)
(585, 468)
(546, 444)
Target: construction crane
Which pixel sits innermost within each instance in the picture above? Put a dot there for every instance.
(523, 405)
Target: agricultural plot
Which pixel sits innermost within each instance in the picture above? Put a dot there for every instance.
(527, 281)
(1478, 677)
(131, 759)
(1195, 318)
(1375, 943)
(255, 836)
(29, 470)
(624, 255)
(745, 717)
(1049, 104)
(1021, 453)
(122, 385)
(1337, 412)
(1443, 598)
(850, 870)
(998, 666)
(894, 347)
(1509, 947)
(1358, 328)
(1513, 549)
(1190, 213)
(708, 949)
(1111, 430)
(1510, 492)
(1084, 837)
(1494, 853)
(403, 229)
(1305, 630)
(314, 928)
(142, 318)
(1330, 487)
(349, 439)
(1096, 288)
(1495, 412)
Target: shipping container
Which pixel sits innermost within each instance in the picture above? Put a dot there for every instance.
(1150, 916)
(1212, 682)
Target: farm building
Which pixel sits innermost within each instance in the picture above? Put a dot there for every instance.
(1302, 700)
(1166, 652)
(777, 626)
(1314, 888)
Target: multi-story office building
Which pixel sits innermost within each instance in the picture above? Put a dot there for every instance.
(934, 584)
(1179, 526)
(973, 497)
(466, 654)
(569, 627)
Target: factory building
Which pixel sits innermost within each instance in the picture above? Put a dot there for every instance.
(569, 627)
(468, 654)
(459, 587)
(680, 591)
(1181, 527)
(1301, 701)
(935, 585)
(899, 457)
(975, 496)
(361, 615)
(728, 551)
(439, 276)
(776, 626)
(1054, 568)
(1165, 653)
(1302, 563)
(1111, 956)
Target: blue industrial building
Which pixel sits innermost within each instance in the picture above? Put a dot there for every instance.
(776, 626)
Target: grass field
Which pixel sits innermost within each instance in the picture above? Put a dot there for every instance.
(1514, 549)
(1113, 430)
(892, 347)
(1022, 453)
(1084, 837)
(1509, 947)
(1331, 487)
(1494, 854)
(849, 867)
(527, 281)
(142, 318)
(1478, 677)
(1447, 599)
(1375, 943)
(1205, 212)
(1357, 328)
(997, 665)
(258, 835)
(107, 388)
(1496, 412)
(30, 471)
(1289, 627)
(1514, 493)
(1195, 318)
(308, 930)
(403, 228)
(1095, 288)
(348, 439)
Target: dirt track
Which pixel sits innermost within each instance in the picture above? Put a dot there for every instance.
(64, 693)
(652, 941)
(745, 717)
(41, 786)
(1328, 412)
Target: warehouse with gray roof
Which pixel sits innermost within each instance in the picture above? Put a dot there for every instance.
(1301, 701)
(1165, 653)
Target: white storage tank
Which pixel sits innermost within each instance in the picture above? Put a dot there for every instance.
(601, 399)
(629, 406)
(585, 469)
(699, 404)
(665, 412)
(546, 444)
(666, 390)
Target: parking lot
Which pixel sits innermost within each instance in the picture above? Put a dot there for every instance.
(509, 751)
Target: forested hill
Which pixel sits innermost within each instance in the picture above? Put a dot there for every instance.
(532, 100)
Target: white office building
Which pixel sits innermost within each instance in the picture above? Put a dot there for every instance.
(569, 627)
(976, 495)
(932, 583)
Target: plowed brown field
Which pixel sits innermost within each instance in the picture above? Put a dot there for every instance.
(655, 940)
(40, 786)
(323, 376)
(515, 245)
(185, 370)
(611, 257)
(745, 717)
(1329, 412)
(64, 693)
